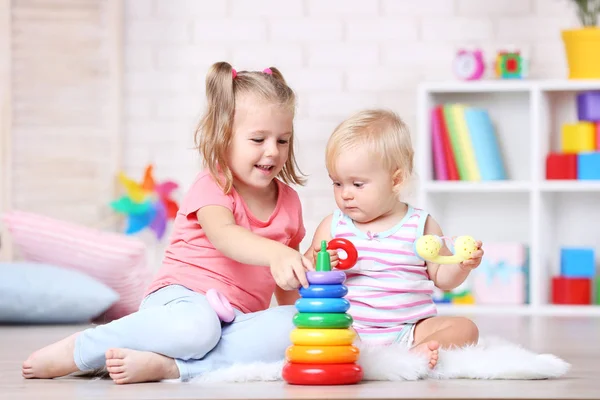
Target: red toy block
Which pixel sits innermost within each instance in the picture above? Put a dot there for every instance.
(571, 290)
(561, 166)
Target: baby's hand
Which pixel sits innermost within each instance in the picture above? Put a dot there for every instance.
(333, 256)
(475, 259)
(288, 268)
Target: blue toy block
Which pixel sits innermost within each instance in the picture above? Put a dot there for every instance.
(588, 166)
(588, 106)
(577, 262)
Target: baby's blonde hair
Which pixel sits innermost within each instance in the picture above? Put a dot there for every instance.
(215, 130)
(382, 133)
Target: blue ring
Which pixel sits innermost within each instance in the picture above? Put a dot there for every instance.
(322, 305)
(328, 291)
(325, 277)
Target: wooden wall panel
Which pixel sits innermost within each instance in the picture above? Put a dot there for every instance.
(65, 111)
(5, 122)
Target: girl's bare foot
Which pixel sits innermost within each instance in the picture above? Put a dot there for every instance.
(132, 366)
(430, 350)
(51, 361)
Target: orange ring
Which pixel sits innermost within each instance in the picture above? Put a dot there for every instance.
(322, 354)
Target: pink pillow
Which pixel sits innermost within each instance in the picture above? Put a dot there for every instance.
(115, 259)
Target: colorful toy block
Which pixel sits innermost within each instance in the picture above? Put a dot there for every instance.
(510, 65)
(588, 106)
(561, 166)
(588, 166)
(598, 291)
(597, 135)
(577, 262)
(578, 137)
(571, 290)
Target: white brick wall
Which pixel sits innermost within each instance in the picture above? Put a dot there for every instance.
(339, 55)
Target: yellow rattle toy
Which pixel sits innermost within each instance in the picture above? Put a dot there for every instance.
(428, 247)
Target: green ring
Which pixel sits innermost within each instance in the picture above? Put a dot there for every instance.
(323, 320)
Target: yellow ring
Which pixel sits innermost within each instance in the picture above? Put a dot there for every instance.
(322, 337)
(322, 354)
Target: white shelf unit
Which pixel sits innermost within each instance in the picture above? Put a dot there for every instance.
(545, 215)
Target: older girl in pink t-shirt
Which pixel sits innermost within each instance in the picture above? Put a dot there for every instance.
(238, 231)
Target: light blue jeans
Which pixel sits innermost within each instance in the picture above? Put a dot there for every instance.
(179, 323)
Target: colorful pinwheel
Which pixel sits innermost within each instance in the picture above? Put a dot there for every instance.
(146, 204)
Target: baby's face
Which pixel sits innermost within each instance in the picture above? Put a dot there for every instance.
(363, 188)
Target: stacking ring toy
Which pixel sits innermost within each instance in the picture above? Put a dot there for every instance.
(325, 277)
(348, 247)
(324, 291)
(322, 337)
(322, 374)
(322, 320)
(221, 305)
(322, 305)
(322, 354)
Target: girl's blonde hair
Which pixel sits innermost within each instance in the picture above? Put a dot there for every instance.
(382, 132)
(213, 135)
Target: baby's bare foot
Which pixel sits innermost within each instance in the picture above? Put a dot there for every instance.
(430, 350)
(132, 366)
(51, 361)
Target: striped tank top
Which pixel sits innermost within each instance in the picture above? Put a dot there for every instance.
(389, 287)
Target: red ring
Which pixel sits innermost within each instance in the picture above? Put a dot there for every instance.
(348, 247)
(322, 374)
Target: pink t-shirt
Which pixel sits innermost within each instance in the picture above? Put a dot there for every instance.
(192, 261)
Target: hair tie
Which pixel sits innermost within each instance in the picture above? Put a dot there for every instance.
(233, 73)
(268, 71)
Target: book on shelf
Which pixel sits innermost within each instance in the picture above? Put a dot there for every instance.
(465, 145)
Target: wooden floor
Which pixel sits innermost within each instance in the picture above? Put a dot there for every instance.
(577, 340)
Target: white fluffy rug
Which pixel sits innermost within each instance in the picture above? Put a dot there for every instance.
(491, 358)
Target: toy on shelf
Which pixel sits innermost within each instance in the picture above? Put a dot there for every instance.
(501, 278)
(428, 247)
(511, 65)
(561, 166)
(469, 65)
(146, 204)
(322, 350)
(461, 295)
(579, 155)
(577, 271)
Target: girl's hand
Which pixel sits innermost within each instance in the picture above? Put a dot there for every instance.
(288, 268)
(333, 256)
(475, 259)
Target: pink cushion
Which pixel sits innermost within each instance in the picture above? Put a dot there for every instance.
(117, 260)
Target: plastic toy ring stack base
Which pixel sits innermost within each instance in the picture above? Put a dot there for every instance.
(221, 305)
(322, 374)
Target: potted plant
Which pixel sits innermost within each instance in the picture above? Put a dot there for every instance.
(582, 45)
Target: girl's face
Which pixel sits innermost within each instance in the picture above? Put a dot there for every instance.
(260, 141)
(363, 188)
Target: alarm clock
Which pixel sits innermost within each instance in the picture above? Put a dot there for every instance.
(469, 65)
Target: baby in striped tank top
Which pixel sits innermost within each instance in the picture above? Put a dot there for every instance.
(369, 158)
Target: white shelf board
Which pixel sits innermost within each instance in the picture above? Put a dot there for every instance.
(559, 85)
(526, 309)
(477, 86)
(477, 187)
(509, 85)
(510, 186)
(570, 186)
